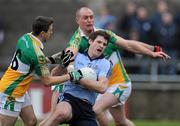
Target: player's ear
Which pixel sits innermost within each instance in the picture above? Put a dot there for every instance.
(42, 33)
(90, 41)
(77, 20)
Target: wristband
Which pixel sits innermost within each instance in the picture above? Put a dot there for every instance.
(157, 48)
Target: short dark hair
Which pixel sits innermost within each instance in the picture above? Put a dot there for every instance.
(101, 33)
(41, 23)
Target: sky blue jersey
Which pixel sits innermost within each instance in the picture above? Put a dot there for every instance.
(102, 68)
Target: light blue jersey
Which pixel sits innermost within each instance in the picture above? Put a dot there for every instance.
(102, 67)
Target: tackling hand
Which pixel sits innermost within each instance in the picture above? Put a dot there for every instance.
(66, 58)
(54, 59)
(161, 55)
(75, 76)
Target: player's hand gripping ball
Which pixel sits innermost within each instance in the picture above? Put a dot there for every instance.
(88, 73)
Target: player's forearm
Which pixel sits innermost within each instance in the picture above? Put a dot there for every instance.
(97, 86)
(139, 48)
(150, 47)
(52, 80)
(57, 71)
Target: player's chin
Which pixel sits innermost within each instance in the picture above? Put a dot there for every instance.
(98, 54)
(90, 28)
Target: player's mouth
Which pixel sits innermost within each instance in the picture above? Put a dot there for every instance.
(99, 50)
(89, 25)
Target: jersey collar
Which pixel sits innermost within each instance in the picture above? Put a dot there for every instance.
(86, 53)
(82, 33)
(39, 42)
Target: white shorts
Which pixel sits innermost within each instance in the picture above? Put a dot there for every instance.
(11, 106)
(121, 91)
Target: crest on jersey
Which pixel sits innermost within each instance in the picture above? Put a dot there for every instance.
(42, 59)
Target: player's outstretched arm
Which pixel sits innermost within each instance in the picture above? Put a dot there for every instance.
(53, 80)
(140, 48)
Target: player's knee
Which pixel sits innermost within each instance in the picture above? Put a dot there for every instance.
(62, 116)
(31, 122)
(98, 116)
(97, 110)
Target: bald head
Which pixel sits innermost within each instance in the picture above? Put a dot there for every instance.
(83, 10)
(85, 20)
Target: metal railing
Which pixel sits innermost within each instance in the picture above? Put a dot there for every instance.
(152, 76)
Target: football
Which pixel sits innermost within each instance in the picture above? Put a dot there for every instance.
(88, 73)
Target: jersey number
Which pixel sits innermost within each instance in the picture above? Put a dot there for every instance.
(14, 64)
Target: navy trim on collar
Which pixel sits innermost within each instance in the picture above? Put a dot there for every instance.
(86, 53)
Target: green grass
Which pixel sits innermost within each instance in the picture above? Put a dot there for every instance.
(139, 123)
(156, 123)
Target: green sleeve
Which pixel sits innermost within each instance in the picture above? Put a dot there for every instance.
(75, 40)
(113, 36)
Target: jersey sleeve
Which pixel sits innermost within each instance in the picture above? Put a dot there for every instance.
(37, 60)
(41, 68)
(113, 36)
(75, 40)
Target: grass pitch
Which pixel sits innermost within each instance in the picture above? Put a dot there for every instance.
(138, 123)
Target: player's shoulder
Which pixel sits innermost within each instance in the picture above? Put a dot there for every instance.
(76, 37)
(24, 42)
(76, 33)
(106, 61)
(81, 55)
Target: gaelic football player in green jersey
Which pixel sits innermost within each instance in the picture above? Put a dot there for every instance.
(28, 60)
(119, 83)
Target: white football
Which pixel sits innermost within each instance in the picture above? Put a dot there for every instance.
(88, 73)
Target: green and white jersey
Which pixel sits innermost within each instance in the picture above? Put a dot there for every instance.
(80, 41)
(28, 59)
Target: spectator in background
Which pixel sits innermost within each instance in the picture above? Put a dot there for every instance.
(124, 25)
(177, 21)
(162, 7)
(143, 27)
(2, 34)
(105, 20)
(166, 36)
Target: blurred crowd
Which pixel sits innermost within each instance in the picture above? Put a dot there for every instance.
(2, 32)
(162, 27)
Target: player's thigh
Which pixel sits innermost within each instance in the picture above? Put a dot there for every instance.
(104, 102)
(63, 111)
(7, 120)
(118, 113)
(9, 109)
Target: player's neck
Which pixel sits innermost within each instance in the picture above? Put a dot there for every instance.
(88, 32)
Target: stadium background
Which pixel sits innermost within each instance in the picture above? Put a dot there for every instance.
(154, 96)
